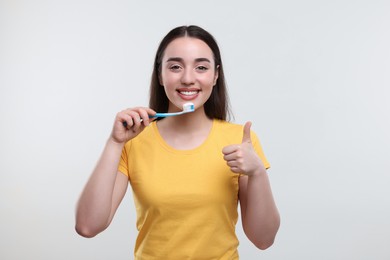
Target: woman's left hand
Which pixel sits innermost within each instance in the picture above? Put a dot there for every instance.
(242, 158)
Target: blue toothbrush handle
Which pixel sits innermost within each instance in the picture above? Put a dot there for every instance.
(166, 114)
(159, 115)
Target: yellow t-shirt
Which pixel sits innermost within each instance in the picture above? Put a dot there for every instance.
(186, 200)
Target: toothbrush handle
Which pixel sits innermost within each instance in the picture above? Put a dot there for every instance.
(166, 114)
(158, 115)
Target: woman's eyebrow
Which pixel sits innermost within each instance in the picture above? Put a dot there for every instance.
(202, 59)
(178, 59)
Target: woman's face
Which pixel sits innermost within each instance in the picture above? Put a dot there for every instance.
(188, 72)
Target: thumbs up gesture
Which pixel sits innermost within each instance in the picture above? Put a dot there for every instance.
(242, 158)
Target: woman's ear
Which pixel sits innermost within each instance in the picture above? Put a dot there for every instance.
(216, 75)
(160, 80)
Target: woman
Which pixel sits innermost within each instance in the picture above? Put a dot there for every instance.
(187, 172)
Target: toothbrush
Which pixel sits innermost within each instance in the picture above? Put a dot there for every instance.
(187, 108)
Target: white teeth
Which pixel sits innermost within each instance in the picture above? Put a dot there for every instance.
(188, 93)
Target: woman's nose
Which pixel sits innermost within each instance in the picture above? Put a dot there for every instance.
(188, 77)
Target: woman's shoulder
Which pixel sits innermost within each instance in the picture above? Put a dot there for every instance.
(228, 130)
(232, 130)
(227, 126)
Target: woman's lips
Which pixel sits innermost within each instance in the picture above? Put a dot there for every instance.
(188, 94)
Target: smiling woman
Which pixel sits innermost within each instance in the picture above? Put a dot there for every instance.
(187, 172)
(188, 72)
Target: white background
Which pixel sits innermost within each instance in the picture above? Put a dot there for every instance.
(313, 76)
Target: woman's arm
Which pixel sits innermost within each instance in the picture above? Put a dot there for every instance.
(260, 217)
(106, 187)
(102, 194)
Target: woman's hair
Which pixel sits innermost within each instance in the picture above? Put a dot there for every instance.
(217, 106)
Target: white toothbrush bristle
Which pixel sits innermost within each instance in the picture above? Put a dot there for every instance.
(188, 107)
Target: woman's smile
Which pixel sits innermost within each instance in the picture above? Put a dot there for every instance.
(188, 94)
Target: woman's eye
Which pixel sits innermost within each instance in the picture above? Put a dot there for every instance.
(174, 67)
(203, 68)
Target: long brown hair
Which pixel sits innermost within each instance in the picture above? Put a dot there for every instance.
(217, 106)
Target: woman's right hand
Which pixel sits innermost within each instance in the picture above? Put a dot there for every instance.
(135, 119)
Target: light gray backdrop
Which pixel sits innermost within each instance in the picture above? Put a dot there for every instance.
(313, 76)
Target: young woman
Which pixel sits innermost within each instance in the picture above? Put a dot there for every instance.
(187, 172)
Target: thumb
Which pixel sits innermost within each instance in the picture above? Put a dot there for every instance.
(246, 138)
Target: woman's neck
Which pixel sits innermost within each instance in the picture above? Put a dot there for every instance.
(187, 123)
(186, 131)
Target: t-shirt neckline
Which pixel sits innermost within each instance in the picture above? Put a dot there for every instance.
(171, 149)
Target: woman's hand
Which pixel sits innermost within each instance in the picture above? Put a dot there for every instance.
(130, 122)
(242, 158)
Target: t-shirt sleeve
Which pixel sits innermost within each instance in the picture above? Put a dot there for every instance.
(123, 166)
(259, 150)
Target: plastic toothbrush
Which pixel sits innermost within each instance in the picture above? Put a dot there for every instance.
(187, 108)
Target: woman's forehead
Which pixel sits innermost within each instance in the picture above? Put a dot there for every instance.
(188, 48)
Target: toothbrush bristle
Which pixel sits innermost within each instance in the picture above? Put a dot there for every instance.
(188, 107)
